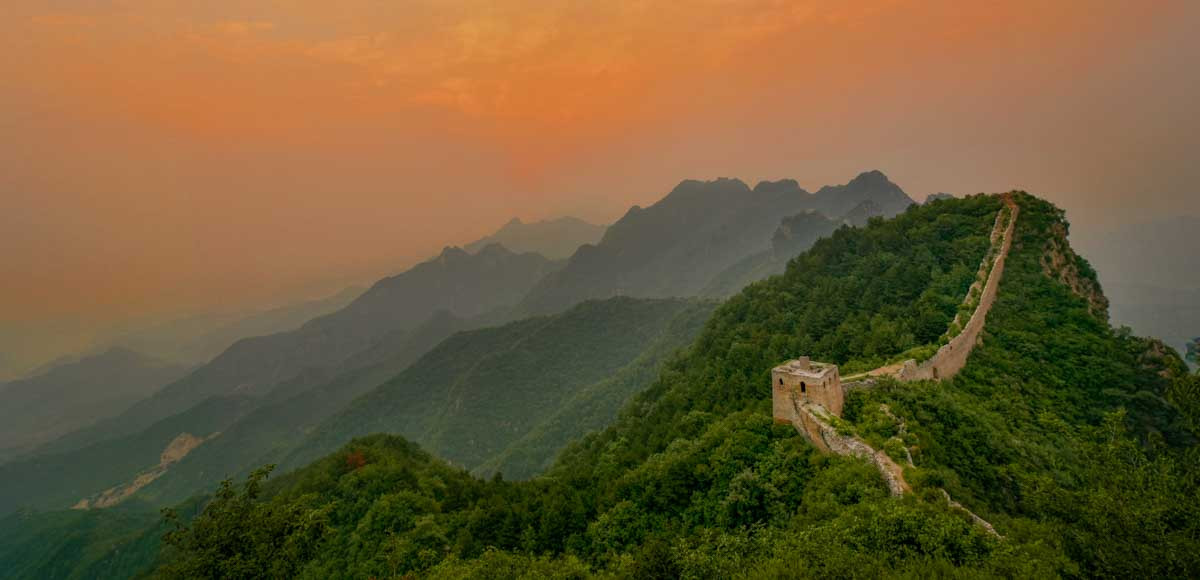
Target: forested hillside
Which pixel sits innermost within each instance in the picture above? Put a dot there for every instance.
(480, 391)
(794, 235)
(1075, 440)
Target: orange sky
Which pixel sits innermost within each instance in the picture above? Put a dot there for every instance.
(158, 158)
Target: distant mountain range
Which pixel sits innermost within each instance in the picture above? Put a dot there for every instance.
(1159, 253)
(556, 239)
(259, 398)
(466, 285)
(677, 246)
(1150, 272)
(1068, 446)
(73, 395)
(197, 339)
(188, 340)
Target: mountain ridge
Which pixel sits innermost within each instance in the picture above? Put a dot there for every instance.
(680, 244)
(1076, 440)
(556, 238)
(466, 284)
(74, 395)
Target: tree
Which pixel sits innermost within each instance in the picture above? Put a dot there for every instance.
(238, 536)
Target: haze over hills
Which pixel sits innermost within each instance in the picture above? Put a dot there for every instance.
(555, 238)
(190, 340)
(1159, 252)
(76, 394)
(677, 246)
(196, 340)
(230, 431)
(295, 379)
(466, 285)
(283, 419)
(499, 397)
(1070, 440)
(61, 480)
(1151, 274)
(795, 234)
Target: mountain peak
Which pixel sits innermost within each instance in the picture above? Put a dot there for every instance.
(689, 186)
(779, 186)
(494, 249)
(873, 177)
(836, 200)
(553, 238)
(450, 252)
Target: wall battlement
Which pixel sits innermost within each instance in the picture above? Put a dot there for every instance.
(806, 381)
(810, 395)
(952, 356)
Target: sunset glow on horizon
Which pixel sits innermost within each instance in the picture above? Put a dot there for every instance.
(160, 158)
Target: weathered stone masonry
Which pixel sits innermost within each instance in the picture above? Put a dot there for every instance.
(952, 356)
(810, 395)
(806, 394)
(807, 381)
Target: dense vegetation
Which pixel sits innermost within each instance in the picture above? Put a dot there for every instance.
(1076, 440)
(479, 392)
(115, 543)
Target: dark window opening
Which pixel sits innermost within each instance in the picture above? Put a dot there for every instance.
(781, 381)
(803, 387)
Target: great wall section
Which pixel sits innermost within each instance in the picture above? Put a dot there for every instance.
(952, 356)
(809, 395)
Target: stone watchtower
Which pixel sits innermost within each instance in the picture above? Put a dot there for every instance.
(805, 381)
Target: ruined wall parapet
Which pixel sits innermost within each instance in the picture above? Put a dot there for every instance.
(813, 420)
(952, 356)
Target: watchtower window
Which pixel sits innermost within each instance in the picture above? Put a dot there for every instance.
(803, 387)
(781, 381)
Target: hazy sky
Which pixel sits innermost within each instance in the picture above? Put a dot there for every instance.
(157, 156)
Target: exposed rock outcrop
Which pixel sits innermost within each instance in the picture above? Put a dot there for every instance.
(1060, 262)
